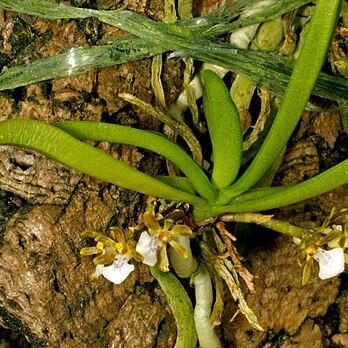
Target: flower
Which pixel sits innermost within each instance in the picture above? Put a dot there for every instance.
(331, 262)
(117, 272)
(339, 236)
(335, 228)
(152, 243)
(115, 251)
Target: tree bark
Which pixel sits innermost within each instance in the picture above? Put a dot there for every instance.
(46, 293)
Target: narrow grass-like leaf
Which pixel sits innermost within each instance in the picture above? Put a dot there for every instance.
(266, 70)
(77, 61)
(254, 12)
(222, 21)
(153, 38)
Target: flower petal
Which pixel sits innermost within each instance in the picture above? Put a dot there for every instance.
(331, 262)
(167, 224)
(163, 262)
(181, 230)
(178, 248)
(90, 234)
(90, 251)
(151, 223)
(106, 258)
(117, 234)
(147, 247)
(119, 270)
(307, 270)
(98, 271)
(102, 238)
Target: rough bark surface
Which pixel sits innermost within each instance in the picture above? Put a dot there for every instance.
(45, 291)
(46, 295)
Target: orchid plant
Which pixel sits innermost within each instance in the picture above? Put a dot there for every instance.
(229, 191)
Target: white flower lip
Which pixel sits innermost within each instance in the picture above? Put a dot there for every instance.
(147, 247)
(331, 262)
(117, 272)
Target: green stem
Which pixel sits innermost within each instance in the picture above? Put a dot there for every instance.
(181, 307)
(152, 141)
(62, 147)
(267, 221)
(304, 75)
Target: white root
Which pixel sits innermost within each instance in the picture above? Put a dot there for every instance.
(204, 299)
